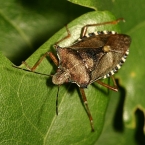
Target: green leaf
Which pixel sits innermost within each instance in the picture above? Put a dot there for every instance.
(87, 3)
(25, 25)
(114, 132)
(28, 100)
(133, 80)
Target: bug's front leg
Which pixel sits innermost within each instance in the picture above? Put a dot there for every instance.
(85, 28)
(55, 60)
(87, 108)
(50, 54)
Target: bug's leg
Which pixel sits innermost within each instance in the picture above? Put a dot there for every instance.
(87, 108)
(84, 29)
(114, 88)
(66, 37)
(50, 54)
(54, 59)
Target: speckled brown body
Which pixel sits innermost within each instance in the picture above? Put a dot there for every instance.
(88, 59)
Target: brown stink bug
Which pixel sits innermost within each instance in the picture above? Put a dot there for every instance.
(94, 56)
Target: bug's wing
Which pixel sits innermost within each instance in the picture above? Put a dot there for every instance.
(87, 61)
(95, 41)
(119, 45)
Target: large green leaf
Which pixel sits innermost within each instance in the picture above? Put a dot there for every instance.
(28, 100)
(25, 25)
(114, 132)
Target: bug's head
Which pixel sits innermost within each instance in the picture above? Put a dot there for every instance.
(60, 77)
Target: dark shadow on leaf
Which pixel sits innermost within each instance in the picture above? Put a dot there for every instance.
(72, 87)
(118, 120)
(140, 121)
(42, 6)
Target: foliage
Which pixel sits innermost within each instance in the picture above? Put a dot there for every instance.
(28, 100)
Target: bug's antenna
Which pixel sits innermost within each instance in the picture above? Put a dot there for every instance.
(57, 101)
(31, 71)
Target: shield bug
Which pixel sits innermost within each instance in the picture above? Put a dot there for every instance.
(94, 56)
